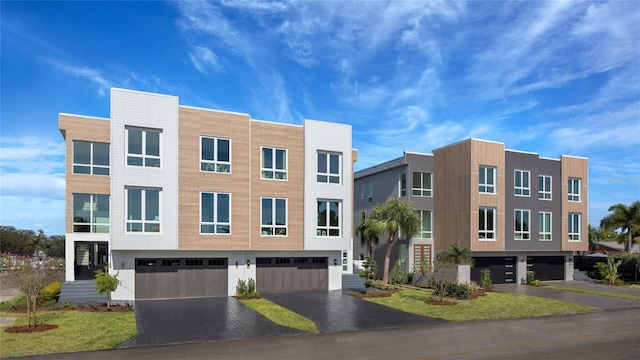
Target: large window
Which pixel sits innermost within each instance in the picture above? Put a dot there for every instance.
(521, 183)
(328, 218)
(544, 226)
(215, 213)
(143, 210)
(274, 163)
(521, 225)
(274, 217)
(329, 165)
(90, 213)
(487, 180)
(402, 185)
(425, 224)
(574, 226)
(90, 158)
(544, 187)
(487, 224)
(143, 147)
(574, 189)
(421, 185)
(215, 155)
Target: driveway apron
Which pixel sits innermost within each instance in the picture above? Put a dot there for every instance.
(335, 311)
(162, 322)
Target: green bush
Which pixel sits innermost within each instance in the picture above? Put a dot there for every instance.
(370, 268)
(456, 291)
(51, 291)
(247, 289)
(531, 277)
(485, 279)
(241, 287)
(381, 285)
(399, 275)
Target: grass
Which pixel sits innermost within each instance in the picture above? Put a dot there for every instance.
(77, 331)
(492, 306)
(634, 286)
(280, 315)
(594, 292)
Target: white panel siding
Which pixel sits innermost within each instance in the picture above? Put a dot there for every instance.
(146, 110)
(324, 136)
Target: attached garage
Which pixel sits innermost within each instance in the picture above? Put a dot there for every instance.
(181, 278)
(502, 268)
(292, 274)
(546, 267)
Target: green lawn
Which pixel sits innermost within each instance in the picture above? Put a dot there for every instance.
(634, 286)
(492, 306)
(594, 292)
(280, 315)
(77, 331)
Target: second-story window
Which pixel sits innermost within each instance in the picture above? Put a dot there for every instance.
(487, 180)
(143, 209)
(328, 218)
(421, 184)
(91, 213)
(274, 217)
(425, 224)
(574, 220)
(215, 154)
(273, 163)
(402, 185)
(329, 165)
(90, 158)
(215, 213)
(574, 189)
(143, 147)
(521, 225)
(521, 183)
(544, 187)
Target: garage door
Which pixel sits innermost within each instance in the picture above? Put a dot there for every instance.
(503, 269)
(180, 278)
(291, 274)
(546, 267)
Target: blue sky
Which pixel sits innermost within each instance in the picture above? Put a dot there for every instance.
(559, 77)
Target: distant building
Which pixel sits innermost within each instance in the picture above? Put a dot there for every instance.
(184, 202)
(515, 210)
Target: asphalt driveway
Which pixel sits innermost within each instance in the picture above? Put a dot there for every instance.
(335, 311)
(163, 322)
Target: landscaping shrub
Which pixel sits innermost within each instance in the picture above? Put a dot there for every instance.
(456, 291)
(370, 268)
(381, 285)
(531, 276)
(246, 289)
(485, 279)
(399, 275)
(51, 291)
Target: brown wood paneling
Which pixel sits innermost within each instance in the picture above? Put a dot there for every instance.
(575, 167)
(83, 128)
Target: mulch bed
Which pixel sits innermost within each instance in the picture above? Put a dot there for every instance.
(89, 308)
(30, 329)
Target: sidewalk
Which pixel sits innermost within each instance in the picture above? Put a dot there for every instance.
(600, 302)
(6, 294)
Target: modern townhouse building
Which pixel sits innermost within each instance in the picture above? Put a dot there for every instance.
(184, 202)
(515, 210)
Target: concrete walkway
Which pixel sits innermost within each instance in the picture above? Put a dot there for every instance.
(600, 302)
(7, 294)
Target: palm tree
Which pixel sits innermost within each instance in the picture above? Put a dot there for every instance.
(389, 217)
(367, 236)
(626, 218)
(457, 255)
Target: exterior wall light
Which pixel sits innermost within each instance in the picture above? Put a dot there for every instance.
(335, 262)
(248, 263)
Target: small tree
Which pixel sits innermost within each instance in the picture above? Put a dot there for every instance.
(106, 283)
(609, 270)
(440, 277)
(369, 271)
(30, 277)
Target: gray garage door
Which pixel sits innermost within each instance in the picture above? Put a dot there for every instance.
(180, 278)
(291, 274)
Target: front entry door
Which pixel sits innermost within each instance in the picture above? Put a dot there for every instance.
(89, 257)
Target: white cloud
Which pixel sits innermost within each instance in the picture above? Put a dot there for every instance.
(94, 76)
(204, 59)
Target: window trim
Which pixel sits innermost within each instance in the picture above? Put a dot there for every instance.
(421, 191)
(494, 231)
(574, 236)
(275, 227)
(419, 234)
(542, 234)
(274, 170)
(525, 235)
(91, 164)
(217, 166)
(328, 175)
(329, 227)
(143, 209)
(542, 190)
(483, 169)
(574, 197)
(92, 225)
(143, 156)
(370, 193)
(215, 223)
(524, 189)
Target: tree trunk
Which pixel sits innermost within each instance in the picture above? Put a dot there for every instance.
(629, 242)
(29, 311)
(387, 256)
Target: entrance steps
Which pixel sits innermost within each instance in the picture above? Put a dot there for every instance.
(580, 276)
(81, 292)
(352, 282)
